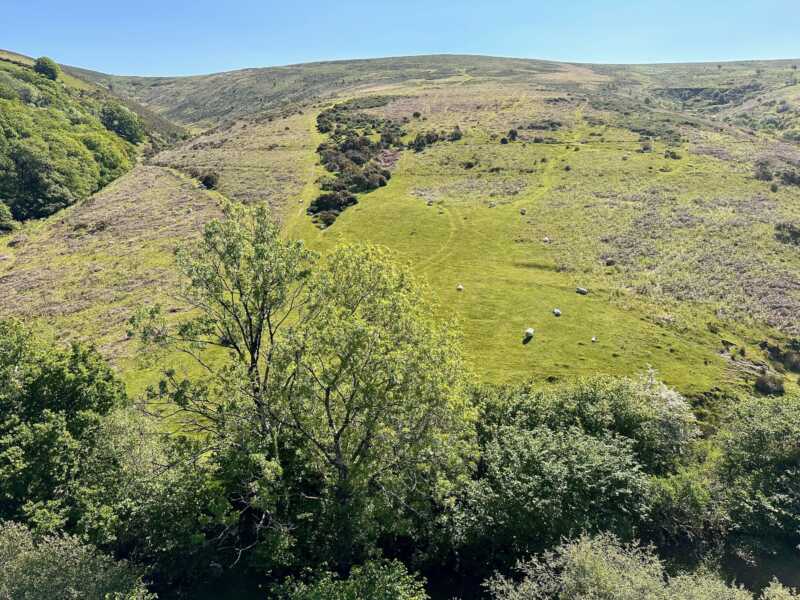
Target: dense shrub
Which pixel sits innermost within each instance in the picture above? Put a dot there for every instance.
(536, 486)
(657, 419)
(58, 566)
(788, 233)
(770, 384)
(602, 568)
(759, 472)
(53, 149)
(763, 171)
(51, 406)
(47, 67)
(7, 223)
(789, 177)
(423, 140)
(351, 155)
(373, 581)
(122, 121)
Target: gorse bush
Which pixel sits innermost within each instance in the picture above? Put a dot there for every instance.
(47, 67)
(122, 121)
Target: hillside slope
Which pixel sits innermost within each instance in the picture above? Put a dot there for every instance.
(669, 192)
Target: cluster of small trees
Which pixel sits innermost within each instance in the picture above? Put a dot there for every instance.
(333, 439)
(56, 146)
(351, 155)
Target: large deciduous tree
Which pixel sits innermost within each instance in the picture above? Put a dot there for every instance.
(338, 398)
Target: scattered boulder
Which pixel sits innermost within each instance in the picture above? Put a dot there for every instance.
(459, 288)
(523, 211)
(492, 204)
(557, 312)
(582, 291)
(546, 240)
(609, 262)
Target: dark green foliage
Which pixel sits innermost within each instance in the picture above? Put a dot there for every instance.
(788, 233)
(789, 177)
(47, 67)
(74, 458)
(763, 171)
(423, 140)
(7, 223)
(657, 419)
(208, 179)
(760, 469)
(538, 485)
(770, 384)
(373, 581)
(351, 155)
(578, 458)
(53, 149)
(122, 121)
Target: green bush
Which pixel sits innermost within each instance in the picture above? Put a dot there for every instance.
(602, 568)
(7, 223)
(47, 67)
(122, 121)
(759, 472)
(57, 566)
(536, 486)
(373, 581)
(770, 384)
(658, 420)
(51, 406)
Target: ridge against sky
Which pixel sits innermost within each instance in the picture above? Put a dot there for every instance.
(152, 37)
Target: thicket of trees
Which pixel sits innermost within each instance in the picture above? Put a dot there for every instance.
(332, 444)
(57, 146)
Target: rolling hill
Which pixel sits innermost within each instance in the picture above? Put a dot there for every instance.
(669, 193)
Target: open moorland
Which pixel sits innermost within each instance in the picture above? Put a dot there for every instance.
(404, 328)
(662, 190)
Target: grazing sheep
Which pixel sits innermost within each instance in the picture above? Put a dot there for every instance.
(594, 339)
(529, 333)
(459, 288)
(492, 204)
(546, 240)
(557, 312)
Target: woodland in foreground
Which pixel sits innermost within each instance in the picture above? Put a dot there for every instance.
(330, 443)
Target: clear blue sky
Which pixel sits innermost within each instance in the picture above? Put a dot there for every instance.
(167, 37)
